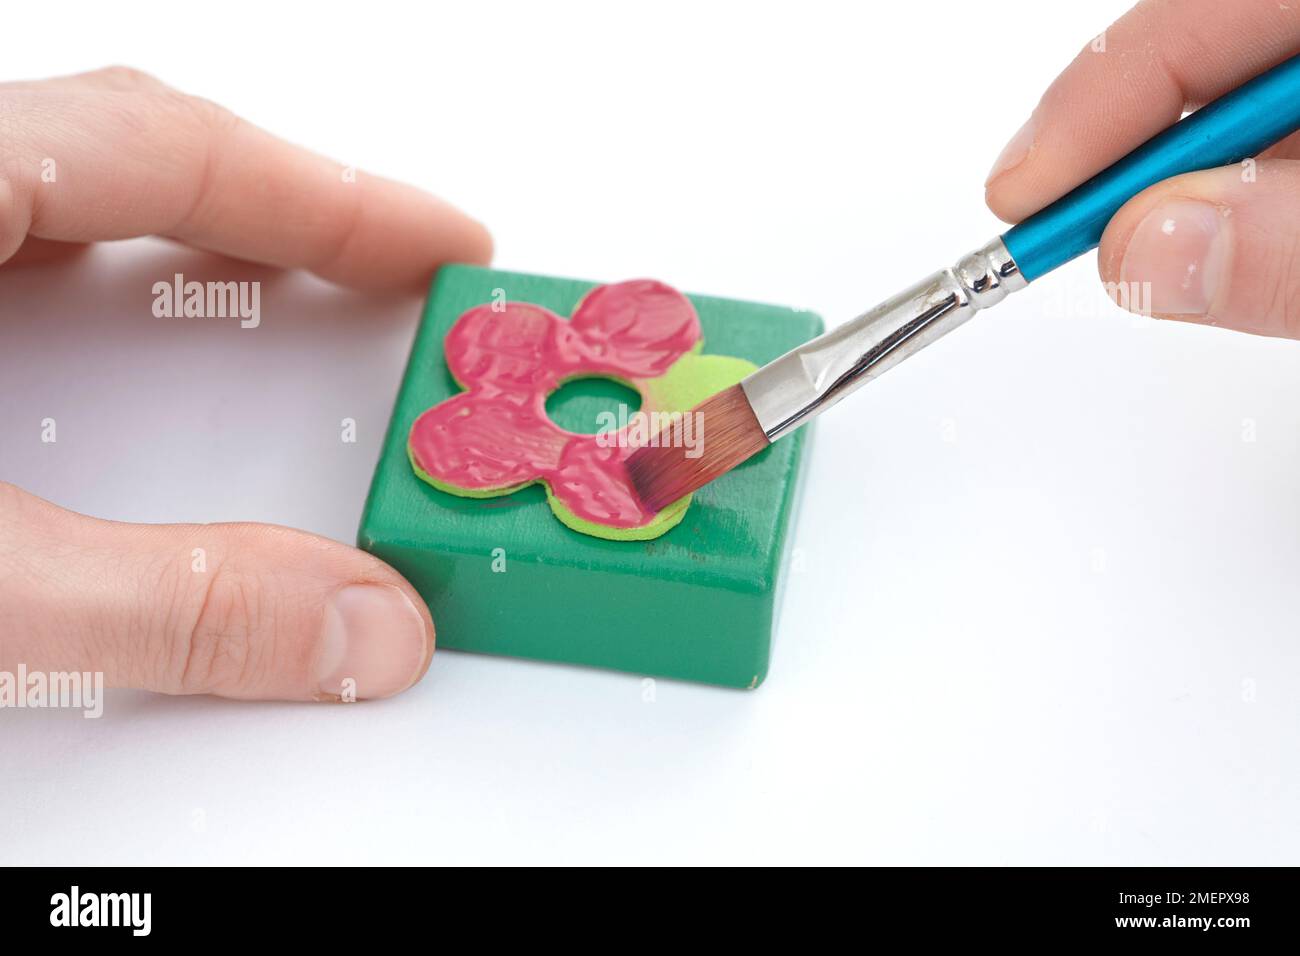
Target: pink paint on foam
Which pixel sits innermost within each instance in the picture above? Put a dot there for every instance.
(497, 434)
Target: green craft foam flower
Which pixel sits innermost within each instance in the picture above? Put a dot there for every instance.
(496, 437)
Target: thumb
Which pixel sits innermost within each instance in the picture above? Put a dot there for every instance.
(1220, 247)
(238, 610)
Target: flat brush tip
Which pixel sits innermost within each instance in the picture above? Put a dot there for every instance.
(727, 433)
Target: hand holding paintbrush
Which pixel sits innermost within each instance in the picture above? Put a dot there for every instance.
(1178, 238)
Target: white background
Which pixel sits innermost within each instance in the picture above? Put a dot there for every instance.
(1047, 603)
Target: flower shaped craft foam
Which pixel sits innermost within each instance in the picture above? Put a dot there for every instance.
(496, 437)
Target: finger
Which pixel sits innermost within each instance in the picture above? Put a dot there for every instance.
(1288, 148)
(1137, 78)
(1220, 247)
(238, 610)
(116, 154)
(36, 252)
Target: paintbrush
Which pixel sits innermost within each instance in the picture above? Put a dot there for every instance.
(791, 391)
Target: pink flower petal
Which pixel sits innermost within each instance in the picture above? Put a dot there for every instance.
(522, 347)
(486, 440)
(592, 482)
(636, 329)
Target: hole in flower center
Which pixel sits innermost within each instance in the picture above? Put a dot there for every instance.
(591, 405)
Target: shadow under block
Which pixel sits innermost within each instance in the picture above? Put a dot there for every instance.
(504, 576)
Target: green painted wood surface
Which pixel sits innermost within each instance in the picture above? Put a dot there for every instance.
(697, 603)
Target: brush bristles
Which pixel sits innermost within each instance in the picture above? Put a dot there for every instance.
(728, 434)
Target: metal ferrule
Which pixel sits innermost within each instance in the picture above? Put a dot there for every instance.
(808, 380)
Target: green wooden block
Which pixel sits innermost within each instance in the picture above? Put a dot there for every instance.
(503, 576)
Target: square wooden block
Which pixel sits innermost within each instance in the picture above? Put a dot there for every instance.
(504, 576)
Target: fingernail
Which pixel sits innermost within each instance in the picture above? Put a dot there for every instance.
(1180, 247)
(1014, 153)
(374, 642)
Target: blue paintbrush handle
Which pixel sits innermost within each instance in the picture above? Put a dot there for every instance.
(1233, 127)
